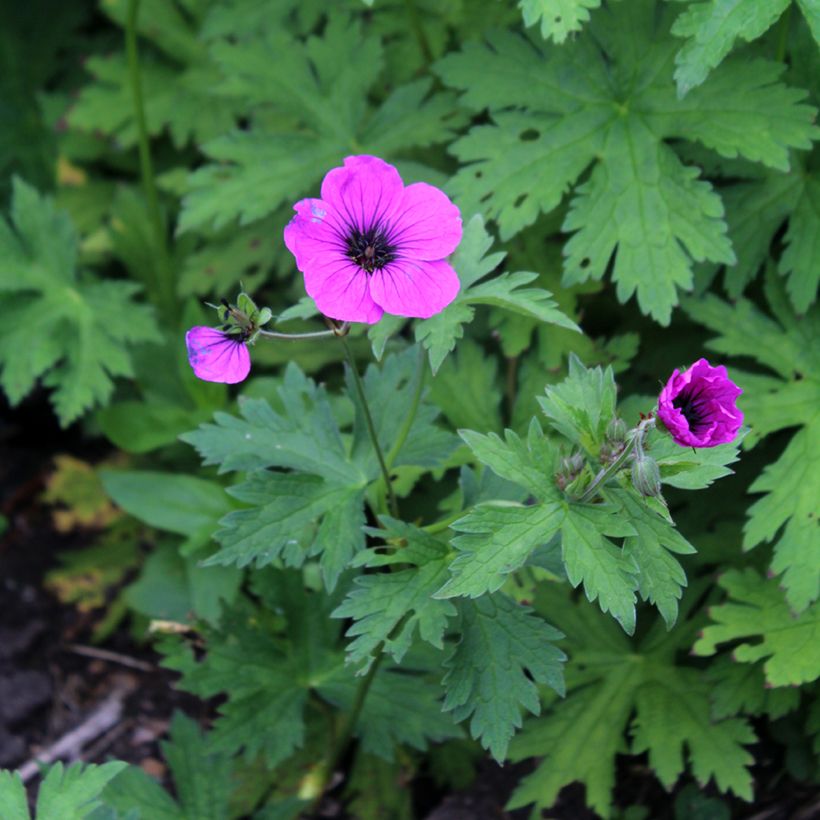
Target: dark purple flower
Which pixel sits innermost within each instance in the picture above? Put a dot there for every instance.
(216, 356)
(698, 406)
(371, 245)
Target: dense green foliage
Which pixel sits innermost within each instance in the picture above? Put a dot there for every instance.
(598, 150)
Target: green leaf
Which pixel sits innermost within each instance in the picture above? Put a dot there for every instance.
(741, 688)
(286, 509)
(263, 710)
(173, 587)
(755, 210)
(202, 780)
(177, 86)
(559, 18)
(135, 791)
(401, 708)
(609, 678)
(83, 327)
(786, 344)
(581, 406)
(390, 391)
(307, 102)
(440, 333)
(651, 192)
(466, 389)
(178, 503)
(496, 541)
(759, 611)
(606, 101)
(673, 713)
(389, 608)
(504, 651)
(319, 509)
(300, 434)
(681, 467)
(711, 29)
(607, 572)
(73, 793)
(661, 578)
(800, 259)
(13, 796)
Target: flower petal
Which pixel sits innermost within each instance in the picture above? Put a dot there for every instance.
(314, 230)
(707, 414)
(414, 287)
(365, 192)
(340, 289)
(426, 224)
(216, 357)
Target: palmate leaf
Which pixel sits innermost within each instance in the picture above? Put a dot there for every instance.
(202, 779)
(498, 536)
(712, 27)
(83, 327)
(319, 508)
(269, 669)
(556, 112)
(609, 678)
(308, 105)
(494, 540)
(558, 18)
(757, 610)
(487, 681)
(755, 211)
(388, 608)
(178, 84)
(66, 793)
(787, 346)
(507, 291)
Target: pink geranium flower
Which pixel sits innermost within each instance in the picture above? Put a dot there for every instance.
(217, 356)
(698, 406)
(371, 245)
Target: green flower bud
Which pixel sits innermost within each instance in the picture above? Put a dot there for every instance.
(646, 477)
(247, 306)
(616, 429)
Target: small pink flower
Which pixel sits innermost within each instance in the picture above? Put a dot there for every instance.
(371, 245)
(217, 357)
(698, 406)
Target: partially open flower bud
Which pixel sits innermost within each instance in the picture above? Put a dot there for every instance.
(646, 477)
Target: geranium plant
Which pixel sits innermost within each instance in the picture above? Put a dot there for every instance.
(420, 484)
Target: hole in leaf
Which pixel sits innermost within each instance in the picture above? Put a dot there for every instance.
(530, 135)
(585, 263)
(520, 201)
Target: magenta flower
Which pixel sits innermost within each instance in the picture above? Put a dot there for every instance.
(371, 245)
(698, 406)
(216, 356)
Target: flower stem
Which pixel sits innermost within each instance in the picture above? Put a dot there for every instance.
(165, 292)
(371, 428)
(444, 523)
(783, 34)
(346, 734)
(411, 416)
(418, 30)
(297, 337)
(606, 473)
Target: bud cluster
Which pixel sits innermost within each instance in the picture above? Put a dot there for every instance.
(243, 320)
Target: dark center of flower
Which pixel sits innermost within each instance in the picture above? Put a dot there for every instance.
(692, 403)
(370, 249)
